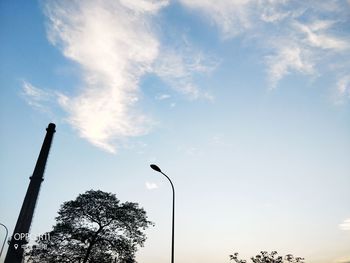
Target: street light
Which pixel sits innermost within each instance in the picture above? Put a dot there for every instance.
(4, 239)
(157, 169)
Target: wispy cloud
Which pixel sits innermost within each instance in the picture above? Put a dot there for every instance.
(35, 97)
(288, 59)
(316, 36)
(232, 17)
(292, 36)
(343, 86)
(162, 97)
(151, 186)
(345, 225)
(178, 66)
(114, 45)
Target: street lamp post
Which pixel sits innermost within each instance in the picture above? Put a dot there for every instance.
(7, 232)
(156, 168)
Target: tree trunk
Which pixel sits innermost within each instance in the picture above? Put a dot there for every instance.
(88, 251)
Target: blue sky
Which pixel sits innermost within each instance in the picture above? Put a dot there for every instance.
(244, 104)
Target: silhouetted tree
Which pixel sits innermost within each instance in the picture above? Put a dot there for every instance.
(93, 228)
(265, 257)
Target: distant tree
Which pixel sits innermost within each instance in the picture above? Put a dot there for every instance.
(265, 257)
(93, 228)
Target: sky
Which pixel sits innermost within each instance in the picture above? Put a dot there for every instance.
(244, 104)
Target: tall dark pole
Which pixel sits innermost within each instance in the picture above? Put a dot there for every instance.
(3, 244)
(21, 232)
(156, 168)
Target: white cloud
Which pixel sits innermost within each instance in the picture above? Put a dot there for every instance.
(217, 140)
(345, 225)
(34, 96)
(114, 44)
(232, 17)
(317, 37)
(163, 97)
(151, 186)
(145, 6)
(177, 66)
(343, 86)
(286, 60)
(342, 89)
(293, 36)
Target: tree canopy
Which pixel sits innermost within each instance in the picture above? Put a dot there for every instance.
(93, 228)
(265, 257)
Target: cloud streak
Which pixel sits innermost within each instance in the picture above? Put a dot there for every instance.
(343, 86)
(36, 97)
(345, 225)
(151, 186)
(176, 67)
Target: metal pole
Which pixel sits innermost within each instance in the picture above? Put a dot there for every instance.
(7, 232)
(173, 221)
(157, 169)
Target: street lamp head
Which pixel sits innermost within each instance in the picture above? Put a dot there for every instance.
(156, 168)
